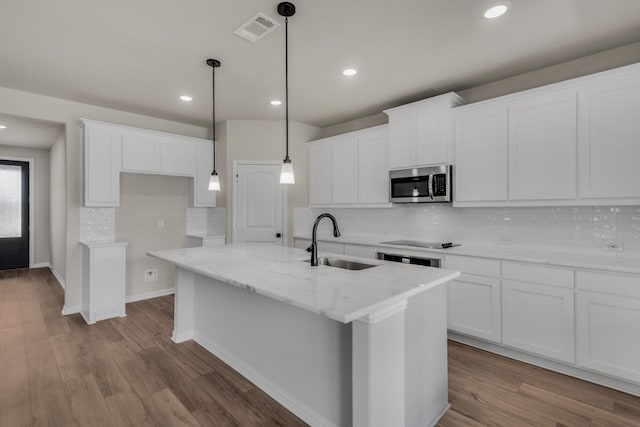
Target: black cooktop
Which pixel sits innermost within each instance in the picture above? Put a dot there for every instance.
(430, 245)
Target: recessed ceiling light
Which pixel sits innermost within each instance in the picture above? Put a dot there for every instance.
(3, 127)
(496, 10)
(276, 102)
(186, 98)
(350, 72)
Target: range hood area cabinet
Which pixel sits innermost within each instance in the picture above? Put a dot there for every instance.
(350, 170)
(110, 149)
(567, 144)
(420, 132)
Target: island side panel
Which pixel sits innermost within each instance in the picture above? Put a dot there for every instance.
(301, 359)
(183, 306)
(426, 386)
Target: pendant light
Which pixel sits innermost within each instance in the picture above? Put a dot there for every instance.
(214, 179)
(286, 9)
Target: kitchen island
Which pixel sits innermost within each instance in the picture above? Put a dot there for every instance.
(337, 347)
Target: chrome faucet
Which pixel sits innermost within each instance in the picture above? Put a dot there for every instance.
(314, 244)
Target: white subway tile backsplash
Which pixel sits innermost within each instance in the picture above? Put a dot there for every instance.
(578, 227)
(97, 224)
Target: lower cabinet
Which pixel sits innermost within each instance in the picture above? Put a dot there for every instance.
(608, 325)
(103, 281)
(538, 319)
(474, 307)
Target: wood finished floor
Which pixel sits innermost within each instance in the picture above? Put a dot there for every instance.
(57, 371)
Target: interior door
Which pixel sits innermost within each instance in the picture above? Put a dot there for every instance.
(259, 196)
(14, 214)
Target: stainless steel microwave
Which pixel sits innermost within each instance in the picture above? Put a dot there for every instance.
(430, 184)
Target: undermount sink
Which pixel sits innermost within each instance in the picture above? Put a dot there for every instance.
(343, 263)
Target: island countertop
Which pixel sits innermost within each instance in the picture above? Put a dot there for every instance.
(284, 274)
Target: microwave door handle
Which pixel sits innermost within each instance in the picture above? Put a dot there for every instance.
(430, 186)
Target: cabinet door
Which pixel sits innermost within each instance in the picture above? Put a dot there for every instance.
(140, 152)
(474, 307)
(608, 138)
(542, 147)
(432, 136)
(320, 173)
(199, 194)
(402, 140)
(102, 158)
(607, 334)
(108, 282)
(481, 154)
(344, 165)
(373, 167)
(177, 157)
(538, 319)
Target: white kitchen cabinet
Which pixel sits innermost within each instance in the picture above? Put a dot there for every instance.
(609, 135)
(538, 319)
(350, 170)
(474, 298)
(373, 164)
(140, 152)
(420, 132)
(102, 162)
(608, 323)
(344, 169)
(320, 174)
(103, 281)
(177, 157)
(198, 187)
(542, 147)
(481, 164)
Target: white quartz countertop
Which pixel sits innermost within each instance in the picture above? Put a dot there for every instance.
(284, 274)
(102, 243)
(626, 262)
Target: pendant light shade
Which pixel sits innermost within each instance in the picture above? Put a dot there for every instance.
(214, 179)
(286, 9)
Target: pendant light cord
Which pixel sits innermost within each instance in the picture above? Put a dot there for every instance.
(213, 114)
(286, 82)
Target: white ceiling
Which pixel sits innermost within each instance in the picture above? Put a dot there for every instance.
(28, 133)
(141, 55)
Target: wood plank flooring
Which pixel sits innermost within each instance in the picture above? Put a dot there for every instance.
(57, 371)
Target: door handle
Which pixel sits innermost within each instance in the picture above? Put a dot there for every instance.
(278, 235)
(430, 186)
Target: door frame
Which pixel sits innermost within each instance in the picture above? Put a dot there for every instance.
(32, 203)
(285, 222)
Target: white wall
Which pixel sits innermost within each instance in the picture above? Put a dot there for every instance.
(58, 206)
(42, 246)
(265, 140)
(41, 107)
(144, 199)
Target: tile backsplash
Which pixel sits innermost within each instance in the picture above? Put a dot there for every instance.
(590, 227)
(97, 224)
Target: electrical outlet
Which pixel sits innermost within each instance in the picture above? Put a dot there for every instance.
(161, 223)
(151, 275)
(614, 247)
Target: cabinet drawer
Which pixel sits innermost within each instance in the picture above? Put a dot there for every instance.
(610, 283)
(483, 267)
(538, 274)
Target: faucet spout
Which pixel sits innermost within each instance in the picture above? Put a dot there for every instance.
(314, 243)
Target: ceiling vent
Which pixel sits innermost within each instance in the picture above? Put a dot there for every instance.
(256, 28)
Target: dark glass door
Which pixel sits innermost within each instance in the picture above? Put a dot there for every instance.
(14, 214)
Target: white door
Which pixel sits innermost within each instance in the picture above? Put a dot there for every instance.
(259, 199)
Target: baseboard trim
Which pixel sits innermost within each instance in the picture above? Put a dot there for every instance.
(149, 295)
(563, 368)
(70, 309)
(41, 265)
(440, 415)
(300, 409)
(57, 276)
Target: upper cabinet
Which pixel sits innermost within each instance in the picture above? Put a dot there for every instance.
(481, 154)
(609, 137)
(350, 170)
(420, 132)
(570, 143)
(110, 149)
(102, 148)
